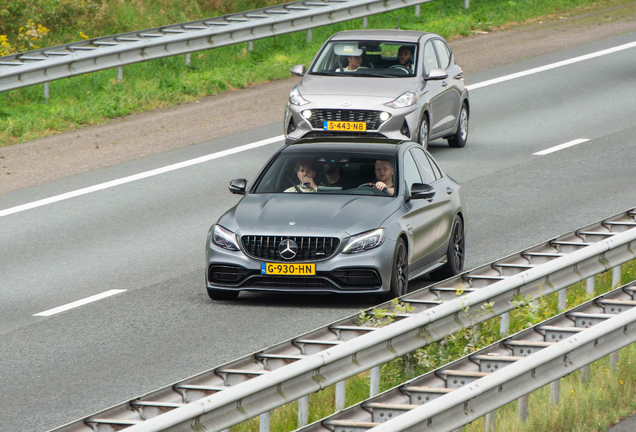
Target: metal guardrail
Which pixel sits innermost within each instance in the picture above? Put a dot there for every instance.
(49, 64)
(255, 384)
(476, 385)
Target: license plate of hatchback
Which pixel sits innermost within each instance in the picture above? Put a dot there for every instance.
(288, 269)
(344, 126)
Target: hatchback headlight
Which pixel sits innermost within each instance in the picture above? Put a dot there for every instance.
(225, 238)
(365, 241)
(296, 99)
(404, 100)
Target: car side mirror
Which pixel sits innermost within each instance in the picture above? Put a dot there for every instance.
(422, 191)
(238, 186)
(298, 70)
(437, 74)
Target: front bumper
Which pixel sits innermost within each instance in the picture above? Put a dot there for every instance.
(297, 127)
(366, 272)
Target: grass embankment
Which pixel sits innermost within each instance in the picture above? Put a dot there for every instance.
(98, 97)
(592, 406)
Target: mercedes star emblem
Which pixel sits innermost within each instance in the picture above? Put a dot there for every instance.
(288, 249)
(292, 223)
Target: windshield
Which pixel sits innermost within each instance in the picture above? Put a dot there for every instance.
(367, 58)
(330, 173)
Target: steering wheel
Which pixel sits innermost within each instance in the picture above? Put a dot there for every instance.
(372, 185)
(401, 68)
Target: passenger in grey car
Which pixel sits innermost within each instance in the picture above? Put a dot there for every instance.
(306, 171)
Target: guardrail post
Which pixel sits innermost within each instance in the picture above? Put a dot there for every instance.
(365, 22)
(250, 46)
(47, 91)
(585, 373)
(310, 35)
(466, 4)
(374, 381)
(303, 411)
(563, 299)
(188, 59)
(491, 420)
(616, 276)
(504, 323)
(341, 391)
(263, 422)
(522, 408)
(417, 10)
(120, 74)
(555, 388)
(614, 359)
(589, 285)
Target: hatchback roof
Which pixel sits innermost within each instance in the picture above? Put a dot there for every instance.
(387, 35)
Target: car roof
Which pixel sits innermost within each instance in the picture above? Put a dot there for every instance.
(378, 34)
(362, 145)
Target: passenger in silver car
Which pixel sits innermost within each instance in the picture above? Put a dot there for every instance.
(306, 172)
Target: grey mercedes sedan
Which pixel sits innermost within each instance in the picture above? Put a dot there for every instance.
(338, 216)
(396, 84)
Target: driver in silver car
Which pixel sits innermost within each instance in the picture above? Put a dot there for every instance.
(306, 172)
(384, 176)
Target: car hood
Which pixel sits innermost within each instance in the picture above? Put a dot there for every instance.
(355, 86)
(268, 214)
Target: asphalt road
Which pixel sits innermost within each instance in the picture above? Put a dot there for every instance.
(148, 236)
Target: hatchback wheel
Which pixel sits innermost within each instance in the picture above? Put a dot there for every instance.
(461, 136)
(454, 254)
(424, 132)
(399, 274)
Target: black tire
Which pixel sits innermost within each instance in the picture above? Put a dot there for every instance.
(399, 274)
(215, 294)
(454, 253)
(423, 132)
(461, 136)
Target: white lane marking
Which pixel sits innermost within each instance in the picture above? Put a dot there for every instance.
(224, 153)
(551, 66)
(139, 176)
(79, 303)
(560, 147)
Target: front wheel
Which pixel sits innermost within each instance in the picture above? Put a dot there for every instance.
(215, 294)
(399, 274)
(454, 254)
(461, 136)
(424, 132)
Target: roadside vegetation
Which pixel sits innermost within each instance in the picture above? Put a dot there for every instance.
(591, 406)
(97, 97)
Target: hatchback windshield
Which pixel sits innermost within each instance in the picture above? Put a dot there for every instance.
(367, 58)
(330, 173)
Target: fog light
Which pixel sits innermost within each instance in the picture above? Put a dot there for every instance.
(384, 116)
(405, 131)
(307, 114)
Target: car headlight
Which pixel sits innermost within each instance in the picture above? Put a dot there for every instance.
(296, 99)
(365, 241)
(404, 100)
(225, 238)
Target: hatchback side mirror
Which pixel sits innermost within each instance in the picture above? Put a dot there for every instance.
(237, 186)
(437, 74)
(422, 191)
(298, 70)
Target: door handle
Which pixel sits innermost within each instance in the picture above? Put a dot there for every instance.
(449, 190)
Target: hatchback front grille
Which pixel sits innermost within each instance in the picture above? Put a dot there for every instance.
(309, 248)
(371, 118)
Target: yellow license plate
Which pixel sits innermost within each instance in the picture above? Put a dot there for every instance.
(344, 126)
(288, 269)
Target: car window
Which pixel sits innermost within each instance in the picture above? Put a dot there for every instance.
(411, 173)
(389, 59)
(424, 166)
(327, 172)
(442, 52)
(436, 170)
(430, 59)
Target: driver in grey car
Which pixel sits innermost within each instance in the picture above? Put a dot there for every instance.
(384, 176)
(306, 172)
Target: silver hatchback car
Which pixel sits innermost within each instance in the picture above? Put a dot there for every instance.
(397, 84)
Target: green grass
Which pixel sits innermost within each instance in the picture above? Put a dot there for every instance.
(97, 97)
(591, 406)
